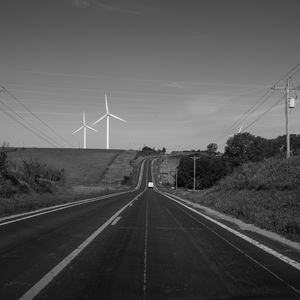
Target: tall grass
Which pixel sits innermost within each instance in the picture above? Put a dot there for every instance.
(271, 174)
(31, 178)
(266, 194)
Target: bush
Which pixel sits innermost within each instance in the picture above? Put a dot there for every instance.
(3, 163)
(31, 175)
(270, 174)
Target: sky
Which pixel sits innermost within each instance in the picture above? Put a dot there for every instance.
(180, 72)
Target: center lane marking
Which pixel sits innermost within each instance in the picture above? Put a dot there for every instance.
(44, 281)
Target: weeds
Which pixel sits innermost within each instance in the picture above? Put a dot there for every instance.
(266, 194)
(29, 176)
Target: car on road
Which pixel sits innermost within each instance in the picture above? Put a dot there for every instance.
(150, 184)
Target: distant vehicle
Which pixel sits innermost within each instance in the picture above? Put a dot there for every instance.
(150, 184)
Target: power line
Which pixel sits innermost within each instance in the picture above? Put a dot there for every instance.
(283, 78)
(261, 100)
(34, 115)
(257, 104)
(10, 115)
(260, 116)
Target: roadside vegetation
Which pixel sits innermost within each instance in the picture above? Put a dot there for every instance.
(36, 178)
(251, 181)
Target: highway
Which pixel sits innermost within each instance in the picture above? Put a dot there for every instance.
(136, 245)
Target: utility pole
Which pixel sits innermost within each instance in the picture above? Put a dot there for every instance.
(287, 90)
(194, 158)
(176, 171)
(287, 96)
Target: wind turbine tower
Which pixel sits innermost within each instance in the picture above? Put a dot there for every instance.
(107, 116)
(84, 127)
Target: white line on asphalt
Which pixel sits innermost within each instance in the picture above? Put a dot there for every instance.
(59, 208)
(146, 243)
(43, 282)
(116, 220)
(145, 253)
(278, 255)
(47, 210)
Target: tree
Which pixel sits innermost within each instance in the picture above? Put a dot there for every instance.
(244, 147)
(209, 169)
(3, 162)
(212, 148)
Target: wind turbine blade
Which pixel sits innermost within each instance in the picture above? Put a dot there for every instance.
(106, 103)
(117, 118)
(83, 118)
(89, 127)
(78, 129)
(99, 119)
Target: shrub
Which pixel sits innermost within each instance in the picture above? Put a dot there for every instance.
(3, 163)
(272, 173)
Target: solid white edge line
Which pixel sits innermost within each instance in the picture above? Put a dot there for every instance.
(47, 210)
(116, 220)
(58, 206)
(56, 209)
(43, 282)
(278, 255)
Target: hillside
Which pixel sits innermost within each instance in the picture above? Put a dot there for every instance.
(120, 167)
(266, 194)
(167, 170)
(82, 167)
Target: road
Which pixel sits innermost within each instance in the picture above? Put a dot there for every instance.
(137, 245)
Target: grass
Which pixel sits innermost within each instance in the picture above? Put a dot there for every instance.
(28, 202)
(82, 167)
(271, 174)
(121, 166)
(167, 170)
(85, 170)
(266, 194)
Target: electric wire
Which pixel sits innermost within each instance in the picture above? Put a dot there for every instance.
(10, 115)
(258, 118)
(28, 124)
(34, 115)
(293, 71)
(257, 104)
(261, 115)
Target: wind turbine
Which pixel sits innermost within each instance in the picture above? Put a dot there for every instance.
(107, 115)
(232, 135)
(84, 127)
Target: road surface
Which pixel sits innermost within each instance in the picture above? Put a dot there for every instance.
(136, 245)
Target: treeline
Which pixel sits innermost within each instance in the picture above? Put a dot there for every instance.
(29, 176)
(151, 151)
(212, 165)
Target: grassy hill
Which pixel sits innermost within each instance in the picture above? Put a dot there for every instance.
(121, 166)
(167, 170)
(266, 194)
(85, 172)
(82, 167)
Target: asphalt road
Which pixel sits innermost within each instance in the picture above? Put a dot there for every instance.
(138, 245)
